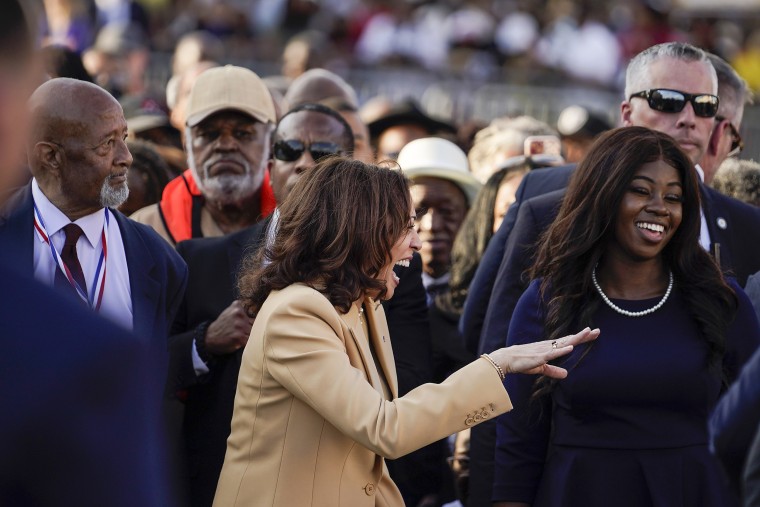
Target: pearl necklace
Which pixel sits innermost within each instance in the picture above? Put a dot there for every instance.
(626, 312)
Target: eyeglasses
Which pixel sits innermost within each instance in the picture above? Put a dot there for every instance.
(673, 101)
(291, 150)
(737, 144)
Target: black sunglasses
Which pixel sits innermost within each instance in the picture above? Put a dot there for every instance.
(292, 149)
(737, 144)
(673, 101)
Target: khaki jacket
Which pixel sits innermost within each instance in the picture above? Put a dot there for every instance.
(311, 425)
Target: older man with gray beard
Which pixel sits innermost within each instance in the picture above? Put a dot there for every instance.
(230, 115)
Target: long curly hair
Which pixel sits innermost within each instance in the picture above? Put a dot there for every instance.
(335, 233)
(577, 240)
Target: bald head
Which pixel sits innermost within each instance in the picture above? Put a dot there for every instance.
(322, 86)
(77, 151)
(63, 108)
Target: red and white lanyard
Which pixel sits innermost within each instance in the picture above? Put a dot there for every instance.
(95, 297)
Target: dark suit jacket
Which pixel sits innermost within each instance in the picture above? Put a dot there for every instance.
(536, 182)
(751, 478)
(535, 216)
(423, 471)
(209, 399)
(735, 421)
(157, 275)
(77, 428)
(734, 226)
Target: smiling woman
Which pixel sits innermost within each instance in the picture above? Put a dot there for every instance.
(623, 255)
(317, 407)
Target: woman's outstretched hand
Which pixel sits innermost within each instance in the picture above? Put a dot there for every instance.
(533, 358)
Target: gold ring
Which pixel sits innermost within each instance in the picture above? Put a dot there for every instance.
(554, 344)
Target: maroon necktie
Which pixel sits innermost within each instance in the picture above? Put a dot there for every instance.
(69, 257)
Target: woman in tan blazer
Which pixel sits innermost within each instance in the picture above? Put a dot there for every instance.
(317, 408)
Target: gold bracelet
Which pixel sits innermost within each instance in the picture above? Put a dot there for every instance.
(498, 368)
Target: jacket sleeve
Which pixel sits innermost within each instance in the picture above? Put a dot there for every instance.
(479, 294)
(509, 283)
(522, 435)
(304, 351)
(735, 419)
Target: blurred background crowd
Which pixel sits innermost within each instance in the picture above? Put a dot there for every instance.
(463, 60)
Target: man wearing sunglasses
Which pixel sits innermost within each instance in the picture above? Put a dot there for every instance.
(725, 141)
(673, 90)
(305, 135)
(212, 329)
(327, 88)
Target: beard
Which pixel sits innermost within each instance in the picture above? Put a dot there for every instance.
(226, 189)
(113, 197)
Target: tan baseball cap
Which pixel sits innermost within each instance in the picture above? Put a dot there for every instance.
(229, 87)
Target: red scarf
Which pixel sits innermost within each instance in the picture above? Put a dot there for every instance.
(177, 203)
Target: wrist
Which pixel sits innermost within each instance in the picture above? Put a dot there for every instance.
(199, 338)
(496, 366)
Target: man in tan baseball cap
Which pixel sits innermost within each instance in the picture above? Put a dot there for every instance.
(230, 117)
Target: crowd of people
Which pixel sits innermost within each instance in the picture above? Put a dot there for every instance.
(273, 293)
(585, 40)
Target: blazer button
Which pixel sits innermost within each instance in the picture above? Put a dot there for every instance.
(477, 417)
(369, 489)
(469, 421)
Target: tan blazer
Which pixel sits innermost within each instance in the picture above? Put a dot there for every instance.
(311, 425)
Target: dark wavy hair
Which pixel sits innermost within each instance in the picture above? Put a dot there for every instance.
(335, 234)
(577, 240)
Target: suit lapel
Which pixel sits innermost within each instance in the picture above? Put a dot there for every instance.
(353, 322)
(381, 340)
(717, 226)
(144, 285)
(241, 244)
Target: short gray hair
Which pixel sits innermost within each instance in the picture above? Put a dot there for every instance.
(637, 74)
(732, 90)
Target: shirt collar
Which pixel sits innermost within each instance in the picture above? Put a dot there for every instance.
(55, 220)
(700, 172)
(428, 280)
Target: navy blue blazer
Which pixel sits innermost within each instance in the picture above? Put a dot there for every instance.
(157, 274)
(77, 428)
(736, 419)
(536, 182)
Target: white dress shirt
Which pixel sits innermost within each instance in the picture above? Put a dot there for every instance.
(704, 232)
(117, 295)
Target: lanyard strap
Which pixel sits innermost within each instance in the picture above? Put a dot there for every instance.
(95, 298)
